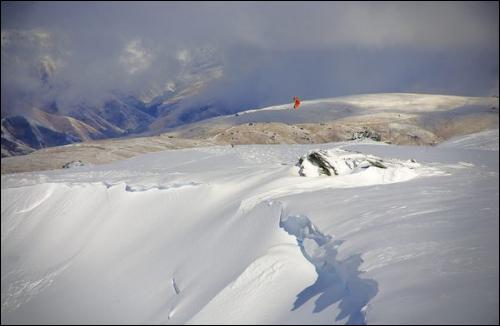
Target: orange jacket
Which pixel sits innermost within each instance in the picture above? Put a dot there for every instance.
(297, 102)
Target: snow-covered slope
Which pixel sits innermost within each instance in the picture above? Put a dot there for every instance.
(487, 140)
(399, 118)
(236, 235)
(404, 104)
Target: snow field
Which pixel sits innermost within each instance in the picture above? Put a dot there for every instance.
(235, 235)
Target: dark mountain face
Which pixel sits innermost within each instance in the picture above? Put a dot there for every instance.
(21, 136)
(124, 116)
(21, 129)
(12, 148)
(114, 118)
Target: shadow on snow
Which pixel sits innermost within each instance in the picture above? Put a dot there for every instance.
(338, 280)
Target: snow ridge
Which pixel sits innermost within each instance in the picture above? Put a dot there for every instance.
(337, 280)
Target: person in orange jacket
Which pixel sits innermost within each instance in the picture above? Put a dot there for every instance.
(297, 102)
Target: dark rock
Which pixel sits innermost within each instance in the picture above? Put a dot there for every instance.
(366, 133)
(73, 164)
(318, 158)
(337, 162)
(377, 164)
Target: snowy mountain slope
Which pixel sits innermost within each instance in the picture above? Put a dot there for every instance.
(40, 129)
(400, 118)
(22, 136)
(235, 235)
(487, 140)
(322, 110)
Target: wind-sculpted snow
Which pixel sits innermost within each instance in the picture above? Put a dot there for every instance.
(174, 186)
(194, 236)
(337, 280)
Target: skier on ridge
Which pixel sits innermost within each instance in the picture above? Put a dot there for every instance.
(296, 102)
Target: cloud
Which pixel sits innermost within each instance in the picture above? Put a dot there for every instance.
(135, 58)
(183, 56)
(252, 54)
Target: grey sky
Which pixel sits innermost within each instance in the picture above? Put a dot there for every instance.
(269, 52)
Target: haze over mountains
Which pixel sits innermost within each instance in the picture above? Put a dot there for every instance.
(154, 110)
(69, 75)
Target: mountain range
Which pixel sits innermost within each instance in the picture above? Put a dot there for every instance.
(397, 118)
(49, 122)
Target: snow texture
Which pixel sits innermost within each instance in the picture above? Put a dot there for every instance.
(235, 235)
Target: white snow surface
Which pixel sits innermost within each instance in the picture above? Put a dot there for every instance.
(235, 236)
(487, 140)
(328, 109)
